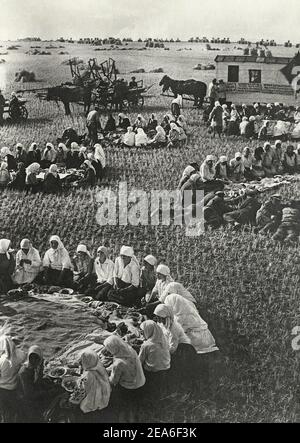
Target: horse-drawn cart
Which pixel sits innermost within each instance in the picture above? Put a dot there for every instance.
(16, 113)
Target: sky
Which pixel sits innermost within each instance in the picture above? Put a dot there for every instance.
(51, 19)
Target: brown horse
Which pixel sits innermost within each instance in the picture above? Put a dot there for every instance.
(71, 94)
(191, 87)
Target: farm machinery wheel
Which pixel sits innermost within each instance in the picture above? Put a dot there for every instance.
(18, 114)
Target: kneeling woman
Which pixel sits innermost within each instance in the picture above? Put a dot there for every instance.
(52, 181)
(159, 139)
(33, 183)
(28, 263)
(57, 264)
(126, 376)
(89, 178)
(154, 356)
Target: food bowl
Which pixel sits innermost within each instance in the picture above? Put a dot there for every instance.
(69, 383)
(57, 372)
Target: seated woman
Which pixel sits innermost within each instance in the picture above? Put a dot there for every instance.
(82, 154)
(126, 376)
(222, 169)
(110, 125)
(89, 178)
(243, 126)
(289, 160)
(104, 272)
(28, 263)
(233, 124)
(100, 158)
(257, 163)
(129, 138)
(247, 160)
(49, 156)
(189, 170)
(140, 123)
(11, 360)
(57, 264)
(124, 122)
(9, 158)
(251, 128)
(278, 156)
(176, 288)
(33, 155)
(155, 357)
(94, 383)
(208, 175)
(263, 132)
(7, 266)
(4, 175)
(72, 160)
(182, 134)
(36, 391)
(268, 161)
(165, 124)
(61, 155)
(21, 154)
(237, 169)
(83, 265)
(152, 123)
(148, 276)
(126, 278)
(141, 139)
(159, 139)
(193, 325)
(52, 182)
(174, 136)
(18, 182)
(33, 183)
(163, 278)
(183, 354)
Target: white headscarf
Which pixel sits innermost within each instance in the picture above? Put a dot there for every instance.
(83, 248)
(33, 168)
(32, 146)
(89, 164)
(96, 381)
(177, 288)
(100, 155)
(164, 270)
(160, 130)
(127, 250)
(74, 147)
(151, 260)
(141, 137)
(53, 170)
(4, 247)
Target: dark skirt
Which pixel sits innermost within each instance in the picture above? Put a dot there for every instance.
(54, 277)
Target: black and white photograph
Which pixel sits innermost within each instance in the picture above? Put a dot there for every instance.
(149, 214)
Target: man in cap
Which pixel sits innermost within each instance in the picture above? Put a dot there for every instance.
(215, 210)
(2, 104)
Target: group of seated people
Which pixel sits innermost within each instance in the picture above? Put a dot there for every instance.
(20, 168)
(266, 161)
(172, 132)
(172, 329)
(246, 120)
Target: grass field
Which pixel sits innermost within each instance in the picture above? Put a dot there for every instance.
(246, 286)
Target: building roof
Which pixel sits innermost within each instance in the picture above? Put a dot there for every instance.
(252, 59)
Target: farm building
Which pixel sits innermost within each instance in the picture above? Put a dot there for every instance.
(251, 78)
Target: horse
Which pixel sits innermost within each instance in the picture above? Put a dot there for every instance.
(70, 94)
(191, 87)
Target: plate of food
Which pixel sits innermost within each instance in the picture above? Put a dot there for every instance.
(57, 372)
(69, 383)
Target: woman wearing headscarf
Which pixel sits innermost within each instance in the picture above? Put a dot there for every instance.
(141, 139)
(33, 155)
(110, 125)
(52, 182)
(96, 165)
(208, 176)
(61, 155)
(243, 126)
(165, 124)
(174, 135)
(7, 266)
(277, 148)
(49, 156)
(89, 177)
(222, 169)
(33, 183)
(11, 360)
(189, 170)
(95, 383)
(226, 117)
(129, 138)
(82, 154)
(9, 158)
(176, 288)
(57, 264)
(124, 122)
(104, 272)
(152, 123)
(72, 160)
(154, 356)
(183, 354)
(126, 278)
(257, 163)
(28, 263)
(19, 180)
(216, 119)
(4, 175)
(193, 325)
(237, 168)
(268, 160)
(289, 160)
(21, 155)
(159, 139)
(163, 278)
(140, 122)
(100, 158)
(148, 276)
(233, 125)
(247, 160)
(83, 265)
(126, 376)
